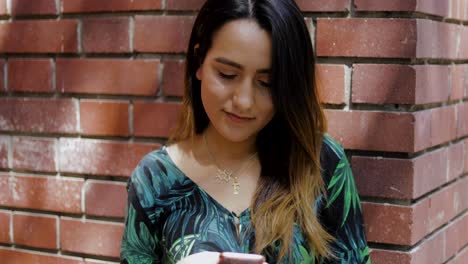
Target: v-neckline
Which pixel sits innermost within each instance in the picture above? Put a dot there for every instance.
(203, 191)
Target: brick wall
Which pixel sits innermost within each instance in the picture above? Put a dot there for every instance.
(88, 87)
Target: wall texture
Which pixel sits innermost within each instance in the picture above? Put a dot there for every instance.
(88, 87)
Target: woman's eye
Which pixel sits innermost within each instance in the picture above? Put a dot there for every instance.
(227, 76)
(264, 84)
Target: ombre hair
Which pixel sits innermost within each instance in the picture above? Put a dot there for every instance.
(289, 145)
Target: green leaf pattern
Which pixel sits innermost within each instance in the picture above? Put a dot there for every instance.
(185, 219)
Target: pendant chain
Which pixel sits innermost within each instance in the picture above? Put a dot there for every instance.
(227, 175)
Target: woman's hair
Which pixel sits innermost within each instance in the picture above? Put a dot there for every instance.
(289, 145)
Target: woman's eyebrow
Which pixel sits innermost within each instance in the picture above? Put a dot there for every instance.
(229, 62)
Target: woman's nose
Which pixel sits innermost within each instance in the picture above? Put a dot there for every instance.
(243, 97)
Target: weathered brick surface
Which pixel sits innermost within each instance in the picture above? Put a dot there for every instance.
(90, 237)
(104, 118)
(89, 156)
(40, 7)
(38, 115)
(35, 230)
(39, 72)
(41, 193)
(34, 154)
(173, 77)
(154, 119)
(149, 30)
(5, 220)
(88, 88)
(12, 256)
(48, 36)
(106, 35)
(80, 6)
(4, 148)
(105, 198)
(331, 83)
(108, 76)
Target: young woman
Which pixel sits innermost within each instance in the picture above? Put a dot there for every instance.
(250, 168)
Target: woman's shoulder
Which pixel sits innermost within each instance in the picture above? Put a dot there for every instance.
(330, 156)
(154, 177)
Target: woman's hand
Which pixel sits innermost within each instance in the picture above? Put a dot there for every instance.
(208, 257)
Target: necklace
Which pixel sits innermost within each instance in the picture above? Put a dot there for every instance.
(226, 175)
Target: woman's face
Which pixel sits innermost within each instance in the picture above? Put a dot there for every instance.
(235, 80)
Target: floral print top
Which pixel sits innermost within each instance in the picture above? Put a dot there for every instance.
(170, 217)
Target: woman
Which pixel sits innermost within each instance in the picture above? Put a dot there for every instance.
(250, 168)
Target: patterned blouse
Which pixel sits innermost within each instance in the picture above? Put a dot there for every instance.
(170, 217)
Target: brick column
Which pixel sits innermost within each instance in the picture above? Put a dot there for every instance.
(88, 87)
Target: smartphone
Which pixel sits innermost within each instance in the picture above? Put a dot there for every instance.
(240, 258)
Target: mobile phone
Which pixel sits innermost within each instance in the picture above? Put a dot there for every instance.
(240, 258)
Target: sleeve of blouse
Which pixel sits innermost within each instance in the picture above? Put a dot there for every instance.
(344, 207)
(140, 242)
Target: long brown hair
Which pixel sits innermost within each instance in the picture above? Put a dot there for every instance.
(289, 146)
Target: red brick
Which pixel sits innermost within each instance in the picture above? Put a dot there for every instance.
(461, 257)
(455, 240)
(35, 230)
(38, 72)
(106, 35)
(443, 125)
(385, 5)
(154, 119)
(38, 115)
(90, 237)
(455, 161)
(462, 117)
(428, 30)
(386, 223)
(383, 256)
(430, 250)
(39, 36)
(384, 83)
(168, 34)
(465, 167)
(2, 76)
(323, 5)
(184, 4)
(463, 48)
(5, 220)
(399, 84)
(458, 80)
(433, 7)
(173, 78)
(15, 256)
(429, 82)
(106, 199)
(400, 178)
(41, 193)
(380, 131)
(459, 10)
(104, 118)
(40, 7)
(3, 7)
(98, 157)
(108, 76)
(422, 132)
(359, 37)
(407, 225)
(4, 147)
(331, 82)
(81, 6)
(34, 154)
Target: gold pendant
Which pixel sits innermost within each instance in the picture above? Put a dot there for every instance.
(236, 186)
(223, 175)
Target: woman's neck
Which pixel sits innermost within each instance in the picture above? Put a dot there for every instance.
(225, 151)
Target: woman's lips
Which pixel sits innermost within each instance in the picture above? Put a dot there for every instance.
(238, 119)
